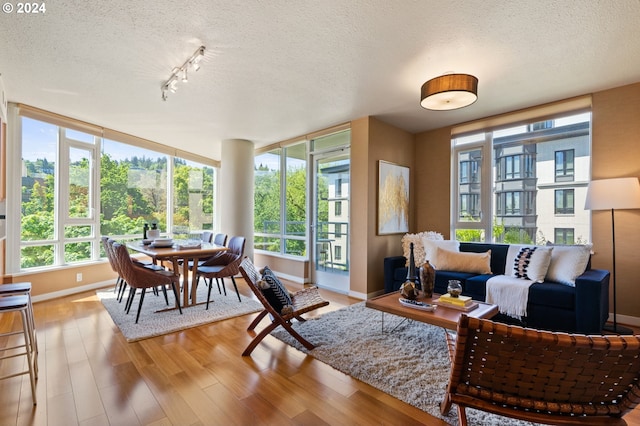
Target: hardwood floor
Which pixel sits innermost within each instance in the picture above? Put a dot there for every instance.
(89, 375)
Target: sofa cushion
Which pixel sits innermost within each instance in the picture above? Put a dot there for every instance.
(274, 291)
(431, 246)
(476, 286)
(552, 294)
(418, 249)
(528, 262)
(478, 263)
(498, 254)
(568, 263)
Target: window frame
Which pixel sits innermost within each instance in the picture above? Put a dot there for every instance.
(564, 209)
(68, 138)
(495, 181)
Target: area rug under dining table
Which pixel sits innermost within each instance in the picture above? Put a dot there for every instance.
(411, 363)
(153, 323)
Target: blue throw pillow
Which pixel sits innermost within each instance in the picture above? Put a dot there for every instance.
(275, 292)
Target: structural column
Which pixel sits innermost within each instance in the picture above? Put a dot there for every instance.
(236, 190)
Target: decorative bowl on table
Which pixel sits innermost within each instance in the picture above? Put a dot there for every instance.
(162, 242)
(147, 241)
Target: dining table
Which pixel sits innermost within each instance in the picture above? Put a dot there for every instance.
(180, 253)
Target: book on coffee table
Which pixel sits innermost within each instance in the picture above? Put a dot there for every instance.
(461, 303)
(459, 300)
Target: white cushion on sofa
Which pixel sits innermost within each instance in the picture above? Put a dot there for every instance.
(528, 262)
(430, 247)
(568, 263)
(418, 248)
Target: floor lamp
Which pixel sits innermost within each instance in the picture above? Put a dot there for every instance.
(614, 194)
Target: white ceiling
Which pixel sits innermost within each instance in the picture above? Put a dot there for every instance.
(278, 69)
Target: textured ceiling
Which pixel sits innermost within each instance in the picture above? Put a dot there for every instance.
(278, 69)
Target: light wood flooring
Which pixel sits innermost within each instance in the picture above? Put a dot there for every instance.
(89, 375)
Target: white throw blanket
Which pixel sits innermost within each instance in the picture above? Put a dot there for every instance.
(511, 294)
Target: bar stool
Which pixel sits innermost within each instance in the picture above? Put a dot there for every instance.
(24, 288)
(20, 304)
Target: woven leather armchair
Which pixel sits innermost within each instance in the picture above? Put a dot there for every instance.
(541, 376)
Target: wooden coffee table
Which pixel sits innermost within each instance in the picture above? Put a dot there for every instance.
(443, 316)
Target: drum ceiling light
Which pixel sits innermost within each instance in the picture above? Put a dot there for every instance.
(449, 91)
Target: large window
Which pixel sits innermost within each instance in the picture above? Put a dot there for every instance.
(280, 212)
(564, 236)
(564, 165)
(564, 203)
(523, 183)
(77, 186)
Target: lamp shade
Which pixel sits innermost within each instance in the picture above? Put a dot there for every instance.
(449, 91)
(617, 193)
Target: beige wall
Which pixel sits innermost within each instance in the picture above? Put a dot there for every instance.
(373, 140)
(433, 198)
(615, 153)
(294, 269)
(63, 280)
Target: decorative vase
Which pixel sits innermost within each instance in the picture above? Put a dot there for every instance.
(409, 290)
(454, 288)
(427, 278)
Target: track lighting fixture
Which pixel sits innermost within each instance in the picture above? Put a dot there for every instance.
(171, 85)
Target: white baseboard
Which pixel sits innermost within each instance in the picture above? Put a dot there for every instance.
(294, 279)
(74, 290)
(625, 319)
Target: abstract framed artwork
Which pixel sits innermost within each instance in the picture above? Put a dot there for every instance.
(393, 198)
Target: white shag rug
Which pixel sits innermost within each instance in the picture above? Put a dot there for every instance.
(152, 323)
(410, 363)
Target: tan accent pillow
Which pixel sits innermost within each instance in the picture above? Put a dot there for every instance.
(418, 249)
(430, 249)
(460, 261)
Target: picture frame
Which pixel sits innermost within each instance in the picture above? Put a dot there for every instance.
(393, 198)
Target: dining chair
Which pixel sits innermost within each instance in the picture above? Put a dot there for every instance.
(139, 277)
(108, 253)
(223, 266)
(206, 236)
(219, 240)
(306, 300)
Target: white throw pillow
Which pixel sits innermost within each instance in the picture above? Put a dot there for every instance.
(430, 249)
(418, 250)
(528, 262)
(568, 263)
(460, 261)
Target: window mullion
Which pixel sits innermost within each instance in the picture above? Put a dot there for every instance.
(283, 200)
(61, 191)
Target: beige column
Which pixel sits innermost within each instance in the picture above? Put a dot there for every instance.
(236, 190)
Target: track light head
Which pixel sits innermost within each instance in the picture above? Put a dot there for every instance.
(180, 73)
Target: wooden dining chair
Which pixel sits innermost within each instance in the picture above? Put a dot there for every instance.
(140, 277)
(542, 376)
(302, 302)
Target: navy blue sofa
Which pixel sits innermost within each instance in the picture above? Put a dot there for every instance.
(552, 306)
